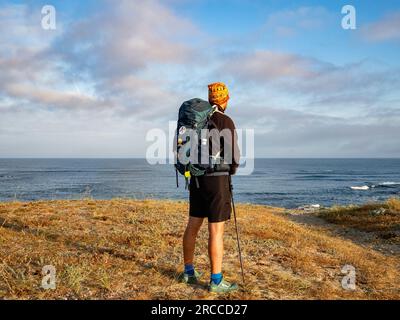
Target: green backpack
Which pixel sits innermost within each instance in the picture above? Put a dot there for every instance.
(194, 114)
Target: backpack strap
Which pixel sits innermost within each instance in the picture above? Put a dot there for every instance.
(214, 110)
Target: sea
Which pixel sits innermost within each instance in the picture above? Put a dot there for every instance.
(288, 183)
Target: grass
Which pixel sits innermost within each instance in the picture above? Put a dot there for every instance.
(394, 205)
(382, 218)
(111, 249)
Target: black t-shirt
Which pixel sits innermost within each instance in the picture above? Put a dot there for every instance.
(221, 121)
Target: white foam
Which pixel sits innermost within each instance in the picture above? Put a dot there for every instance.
(360, 188)
(389, 183)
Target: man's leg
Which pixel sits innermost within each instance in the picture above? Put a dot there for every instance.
(216, 251)
(216, 246)
(189, 239)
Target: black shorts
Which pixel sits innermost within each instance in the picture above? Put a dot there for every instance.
(211, 199)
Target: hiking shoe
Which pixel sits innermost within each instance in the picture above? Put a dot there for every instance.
(223, 287)
(194, 279)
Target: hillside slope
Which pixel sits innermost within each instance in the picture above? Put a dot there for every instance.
(112, 249)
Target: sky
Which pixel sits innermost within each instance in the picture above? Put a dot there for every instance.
(113, 70)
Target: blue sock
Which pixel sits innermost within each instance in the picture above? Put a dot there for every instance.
(216, 278)
(189, 269)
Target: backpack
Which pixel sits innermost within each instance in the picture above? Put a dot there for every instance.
(194, 114)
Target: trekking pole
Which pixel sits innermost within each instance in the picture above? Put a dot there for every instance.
(236, 227)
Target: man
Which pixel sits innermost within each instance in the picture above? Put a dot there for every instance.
(210, 198)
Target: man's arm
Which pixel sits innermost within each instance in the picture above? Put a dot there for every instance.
(235, 147)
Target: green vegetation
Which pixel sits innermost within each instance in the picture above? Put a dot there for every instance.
(382, 218)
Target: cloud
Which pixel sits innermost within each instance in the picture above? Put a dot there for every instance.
(127, 36)
(282, 132)
(110, 59)
(386, 29)
(99, 82)
(265, 66)
(45, 133)
(314, 83)
(28, 76)
(51, 97)
(125, 60)
(96, 84)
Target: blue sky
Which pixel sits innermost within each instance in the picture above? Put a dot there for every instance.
(325, 41)
(113, 70)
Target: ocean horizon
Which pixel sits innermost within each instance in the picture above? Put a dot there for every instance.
(283, 182)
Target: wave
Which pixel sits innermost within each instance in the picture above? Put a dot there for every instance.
(360, 188)
(389, 183)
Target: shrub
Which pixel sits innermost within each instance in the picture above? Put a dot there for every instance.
(394, 205)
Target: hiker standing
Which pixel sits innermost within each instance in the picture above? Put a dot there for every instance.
(210, 197)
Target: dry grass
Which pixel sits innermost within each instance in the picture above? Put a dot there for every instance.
(125, 249)
(394, 205)
(384, 219)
